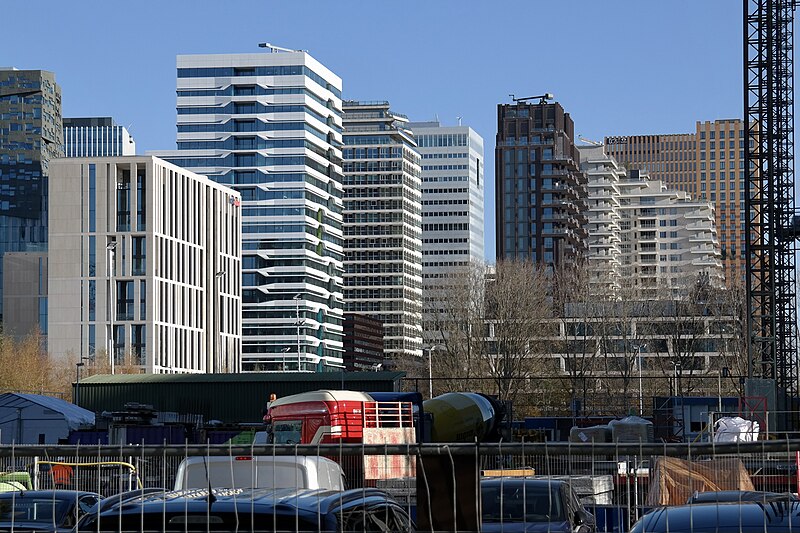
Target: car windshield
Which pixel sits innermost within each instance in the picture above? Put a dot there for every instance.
(521, 502)
(28, 509)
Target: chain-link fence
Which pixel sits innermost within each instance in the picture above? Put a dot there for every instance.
(439, 484)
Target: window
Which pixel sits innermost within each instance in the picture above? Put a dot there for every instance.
(124, 298)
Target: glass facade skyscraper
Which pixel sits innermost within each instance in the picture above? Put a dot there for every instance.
(30, 137)
(270, 126)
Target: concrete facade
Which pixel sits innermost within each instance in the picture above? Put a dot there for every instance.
(151, 252)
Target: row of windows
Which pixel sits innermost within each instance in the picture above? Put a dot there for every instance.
(445, 167)
(444, 156)
(436, 179)
(280, 70)
(438, 140)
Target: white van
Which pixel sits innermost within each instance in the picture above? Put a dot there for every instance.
(267, 472)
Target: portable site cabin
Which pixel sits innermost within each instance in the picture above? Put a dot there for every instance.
(36, 419)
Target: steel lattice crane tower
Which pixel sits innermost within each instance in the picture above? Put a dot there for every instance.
(771, 224)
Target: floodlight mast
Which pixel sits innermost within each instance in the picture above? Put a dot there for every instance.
(543, 98)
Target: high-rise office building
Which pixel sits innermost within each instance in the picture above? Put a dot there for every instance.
(709, 164)
(270, 126)
(150, 252)
(540, 191)
(383, 225)
(30, 137)
(96, 137)
(452, 210)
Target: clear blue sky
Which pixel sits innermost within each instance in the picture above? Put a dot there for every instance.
(618, 66)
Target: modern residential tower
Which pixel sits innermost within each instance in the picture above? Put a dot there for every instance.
(382, 225)
(270, 126)
(708, 164)
(540, 191)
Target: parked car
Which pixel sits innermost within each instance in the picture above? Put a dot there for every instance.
(740, 496)
(515, 505)
(251, 510)
(264, 472)
(744, 517)
(44, 510)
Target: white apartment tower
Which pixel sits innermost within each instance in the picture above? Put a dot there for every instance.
(452, 205)
(382, 225)
(603, 216)
(96, 137)
(147, 254)
(270, 126)
(667, 239)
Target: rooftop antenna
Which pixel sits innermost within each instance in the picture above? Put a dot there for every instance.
(275, 49)
(459, 120)
(543, 98)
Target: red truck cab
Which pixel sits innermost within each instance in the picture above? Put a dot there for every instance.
(332, 416)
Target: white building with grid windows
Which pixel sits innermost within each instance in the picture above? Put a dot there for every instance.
(452, 206)
(270, 126)
(151, 252)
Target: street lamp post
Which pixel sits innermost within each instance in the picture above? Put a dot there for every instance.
(78, 366)
(111, 249)
(217, 358)
(639, 349)
(430, 369)
(296, 299)
(284, 351)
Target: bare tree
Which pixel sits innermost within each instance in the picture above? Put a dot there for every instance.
(454, 329)
(729, 329)
(517, 305)
(573, 305)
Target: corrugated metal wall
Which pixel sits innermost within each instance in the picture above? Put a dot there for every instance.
(226, 397)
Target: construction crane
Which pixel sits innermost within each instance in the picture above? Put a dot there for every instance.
(771, 224)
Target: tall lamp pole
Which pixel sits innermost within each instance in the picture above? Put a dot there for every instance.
(111, 249)
(217, 357)
(297, 323)
(78, 366)
(639, 349)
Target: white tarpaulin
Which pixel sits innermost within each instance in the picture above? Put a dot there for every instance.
(735, 429)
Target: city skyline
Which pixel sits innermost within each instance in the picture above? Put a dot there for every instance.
(616, 66)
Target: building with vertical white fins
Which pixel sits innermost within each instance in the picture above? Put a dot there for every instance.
(452, 205)
(96, 137)
(150, 252)
(383, 224)
(270, 126)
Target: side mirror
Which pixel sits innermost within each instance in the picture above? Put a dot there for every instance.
(579, 518)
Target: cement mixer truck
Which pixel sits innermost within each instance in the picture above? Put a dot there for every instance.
(333, 416)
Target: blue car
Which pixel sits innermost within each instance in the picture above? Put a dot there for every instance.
(44, 510)
(513, 505)
(723, 517)
(251, 510)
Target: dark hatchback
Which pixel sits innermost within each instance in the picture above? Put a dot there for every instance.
(514, 505)
(728, 517)
(252, 510)
(740, 496)
(44, 510)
